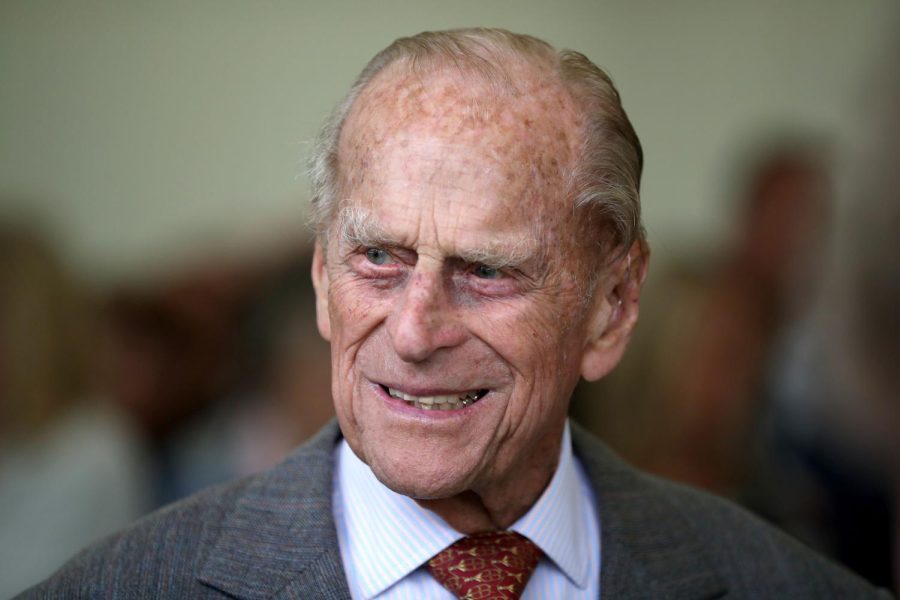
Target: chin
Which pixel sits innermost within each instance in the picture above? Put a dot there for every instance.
(418, 482)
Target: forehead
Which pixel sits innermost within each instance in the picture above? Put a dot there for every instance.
(522, 132)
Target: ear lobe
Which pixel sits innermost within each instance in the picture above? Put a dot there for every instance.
(614, 313)
(320, 284)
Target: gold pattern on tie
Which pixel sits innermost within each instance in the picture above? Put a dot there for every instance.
(486, 566)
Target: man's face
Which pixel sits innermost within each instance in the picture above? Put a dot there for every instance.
(451, 288)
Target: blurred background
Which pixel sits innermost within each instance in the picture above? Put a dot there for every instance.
(156, 326)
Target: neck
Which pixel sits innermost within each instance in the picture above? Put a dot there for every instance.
(498, 506)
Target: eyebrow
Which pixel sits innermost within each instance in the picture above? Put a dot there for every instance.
(499, 255)
(358, 227)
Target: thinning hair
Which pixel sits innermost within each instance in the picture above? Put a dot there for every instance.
(605, 179)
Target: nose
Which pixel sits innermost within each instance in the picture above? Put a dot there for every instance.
(425, 320)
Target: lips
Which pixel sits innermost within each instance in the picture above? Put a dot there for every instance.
(453, 401)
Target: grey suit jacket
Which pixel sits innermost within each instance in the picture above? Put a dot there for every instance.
(272, 536)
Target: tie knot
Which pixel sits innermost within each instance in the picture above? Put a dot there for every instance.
(493, 565)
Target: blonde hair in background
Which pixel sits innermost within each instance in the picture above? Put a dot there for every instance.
(43, 336)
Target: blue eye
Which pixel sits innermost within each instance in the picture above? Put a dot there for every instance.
(377, 256)
(486, 272)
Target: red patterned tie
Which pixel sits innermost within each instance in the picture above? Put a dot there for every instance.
(486, 566)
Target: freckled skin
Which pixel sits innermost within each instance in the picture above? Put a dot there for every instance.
(446, 165)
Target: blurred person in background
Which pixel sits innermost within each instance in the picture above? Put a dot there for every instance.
(220, 366)
(284, 397)
(830, 468)
(167, 361)
(71, 469)
(275, 395)
(688, 398)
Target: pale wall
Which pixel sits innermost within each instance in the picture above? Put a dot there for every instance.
(144, 132)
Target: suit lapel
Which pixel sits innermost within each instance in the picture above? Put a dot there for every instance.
(649, 550)
(279, 540)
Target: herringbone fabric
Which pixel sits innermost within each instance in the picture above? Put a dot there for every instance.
(487, 566)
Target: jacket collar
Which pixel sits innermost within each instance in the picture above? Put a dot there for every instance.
(279, 539)
(649, 549)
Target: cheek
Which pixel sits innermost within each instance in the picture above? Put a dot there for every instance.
(352, 308)
(354, 316)
(536, 339)
(559, 331)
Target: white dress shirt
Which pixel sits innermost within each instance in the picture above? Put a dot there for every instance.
(385, 538)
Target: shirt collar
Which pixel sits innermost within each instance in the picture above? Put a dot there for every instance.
(557, 522)
(378, 523)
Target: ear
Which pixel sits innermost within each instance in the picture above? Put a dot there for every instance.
(614, 312)
(320, 284)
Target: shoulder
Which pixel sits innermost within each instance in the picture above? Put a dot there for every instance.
(158, 552)
(754, 556)
(164, 554)
(673, 533)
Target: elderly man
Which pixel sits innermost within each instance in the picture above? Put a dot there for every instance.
(479, 249)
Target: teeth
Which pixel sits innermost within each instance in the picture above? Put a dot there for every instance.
(448, 402)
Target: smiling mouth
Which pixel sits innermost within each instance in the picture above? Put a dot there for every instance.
(443, 402)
